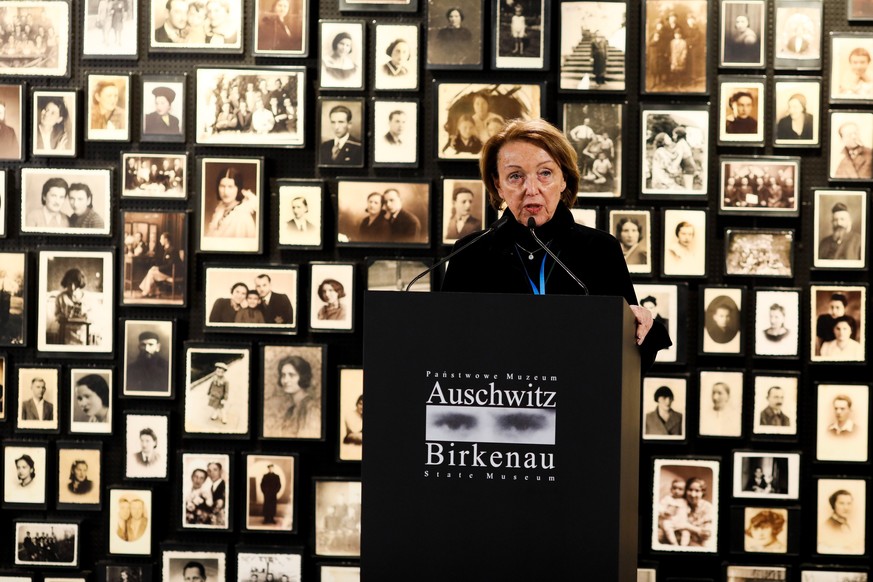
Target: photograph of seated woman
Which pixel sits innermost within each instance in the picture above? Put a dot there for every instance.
(331, 292)
(302, 418)
(72, 309)
(684, 516)
(532, 168)
(797, 123)
(762, 534)
(663, 420)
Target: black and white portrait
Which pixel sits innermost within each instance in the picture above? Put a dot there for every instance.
(685, 505)
(46, 543)
(255, 299)
(337, 518)
(13, 289)
(840, 229)
(595, 131)
(741, 110)
(766, 475)
(217, 390)
(838, 317)
(840, 516)
(397, 56)
(760, 185)
(125, 572)
(662, 301)
(38, 404)
(664, 408)
(341, 53)
(721, 403)
(281, 28)
(262, 567)
(775, 405)
(293, 392)
(44, 28)
(206, 493)
(842, 423)
(155, 175)
(351, 414)
(65, 201)
(300, 214)
(155, 253)
(759, 253)
(684, 242)
(593, 46)
(395, 133)
(851, 156)
(192, 26)
(231, 205)
(850, 74)
(108, 108)
(798, 34)
(131, 515)
(463, 208)
(454, 34)
(777, 322)
(24, 473)
(743, 29)
(341, 131)
(148, 358)
(163, 108)
(765, 530)
(110, 29)
(54, 123)
(79, 476)
(675, 152)
(146, 439)
(383, 213)
(270, 497)
(91, 403)
(332, 297)
(196, 566)
(11, 121)
(675, 46)
(519, 35)
(798, 112)
(633, 230)
(722, 323)
(396, 274)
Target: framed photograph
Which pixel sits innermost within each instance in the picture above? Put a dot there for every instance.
(13, 307)
(675, 53)
(850, 61)
(341, 573)
(38, 391)
(54, 122)
(337, 517)
(205, 491)
(11, 120)
(273, 564)
(665, 419)
(797, 112)
(766, 530)
(850, 157)
(148, 358)
(741, 110)
(110, 30)
(838, 314)
(25, 472)
(4, 202)
(202, 564)
(332, 297)
(519, 37)
(301, 220)
(397, 57)
(759, 253)
(217, 390)
(829, 575)
(3, 384)
(721, 403)
(685, 493)
(684, 242)
(91, 403)
(262, 299)
(351, 413)
(108, 107)
(722, 310)
(663, 303)
(589, 217)
(395, 133)
(840, 229)
(463, 206)
(777, 322)
(743, 33)
(177, 27)
(341, 53)
(394, 213)
(470, 113)
(271, 485)
(65, 201)
(840, 515)
(146, 438)
(231, 204)
(595, 131)
(293, 385)
(859, 10)
(131, 515)
(762, 475)
(752, 573)
(395, 274)
(281, 28)
(79, 471)
(163, 108)
(273, 114)
(155, 258)
(154, 175)
(775, 405)
(675, 152)
(798, 34)
(341, 131)
(454, 34)
(842, 422)
(633, 229)
(46, 544)
(760, 185)
(53, 52)
(75, 301)
(594, 62)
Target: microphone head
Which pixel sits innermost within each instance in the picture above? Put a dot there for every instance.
(531, 223)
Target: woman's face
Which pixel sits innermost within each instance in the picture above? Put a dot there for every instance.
(795, 108)
(480, 106)
(741, 23)
(146, 443)
(217, 13)
(719, 397)
(123, 511)
(136, 509)
(836, 308)
(80, 472)
(344, 47)
(455, 19)
(763, 533)
(281, 8)
(842, 331)
(465, 129)
(530, 181)
(289, 379)
(107, 98)
(777, 318)
(227, 190)
(694, 494)
(374, 205)
(400, 53)
(238, 295)
(50, 115)
(88, 401)
(629, 234)
(463, 204)
(330, 294)
(23, 470)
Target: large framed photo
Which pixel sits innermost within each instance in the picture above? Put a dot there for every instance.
(11, 121)
(13, 305)
(685, 493)
(272, 563)
(596, 132)
(301, 213)
(395, 133)
(598, 61)
(765, 475)
(45, 544)
(54, 123)
(201, 564)
(721, 403)
(463, 207)
(842, 423)
(798, 115)
(840, 516)
(684, 242)
(75, 301)
(148, 357)
(48, 57)
(519, 36)
(850, 63)
(131, 517)
(108, 107)
(851, 157)
(25, 474)
(722, 309)
(217, 382)
(38, 402)
(274, 113)
(231, 205)
(760, 186)
(665, 419)
(777, 323)
(65, 201)
(675, 54)
(397, 57)
(91, 403)
(798, 34)
(110, 29)
(261, 299)
(373, 213)
(146, 438)
(675, 152)
(351, 413)
(271, 492)
(741, 110)
(633, 229)
(454, 34)
(840, 229)
(206, 492)
(663, 303)
(337, 529)
(469, 113)
(79, 476)
(759, 252)
(332, 297)
(154, 175)
(341, 53)
(395, 274)
(743, 33)
(838, 316)
(176, 26)
(281, 28)
(163, 108)
(775, 405)
(155, 253)
(292, 392)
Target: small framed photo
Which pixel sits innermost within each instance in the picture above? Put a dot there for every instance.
(519, 41)
(840, 515)
(663, 303)
(148, 358)
(293, 389)
(850, 61)
(337, 530)
(301, 218)
(396, 274)
(131, 516)
(743, 33)
(273, 564)
(351, 413)
(108, 107)
(665, 419)
(46, 58)
(759, 253)
(217, 391)
(341, 131)
(262, 299)
(65, 201)
(383, 213)
(206, 494)
(386, 6)
(397, 57)
(273, 114)
(454, 34)
(722, 309)
(281, 28)
(681, 24)
(752, 573)
(470, 113)
(829, 575)
(676, 155)
(154, 175)
(110, 30)
(163, 108)
(842, 416)
(760, 185)
(178, 27)
(464, 203)
(46, 544)
(775, 405)
(860, 10)
(38, 391)
(13, 303)
(777, 323)
(202, 564)
(587, 216)
(91, 403)
(741, 110)
(798, 34)
(231, 204)
(721, 403)
(633, 229)
(395, 133)
(272, 492)
(78, 285)
(339, 573)
(79, 476)
(603, 67)
(685, 493)
(155, 253)
(332, 297)
(12, 122)
(851, 158)
(341, 52)
(54, 123)
(838, 315)
(595, 131)
(840, 229)
(25, 472)
(797, 118)
(146, 438)
(684, 242)
(767, 529)
(764, 475)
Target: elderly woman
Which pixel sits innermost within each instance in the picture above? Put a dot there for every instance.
(663, 420)
(531, 168)
(331, 291)
(843, 347)
(302, 419)
(339, 64)
(92, 397)
(762, 535)
(798, 123)
(234, 215)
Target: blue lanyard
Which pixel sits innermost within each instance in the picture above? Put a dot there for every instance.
(541, 290)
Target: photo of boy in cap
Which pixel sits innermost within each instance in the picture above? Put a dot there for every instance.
(218, 392)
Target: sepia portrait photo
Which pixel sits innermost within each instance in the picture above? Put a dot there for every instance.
(395, 133)
(341, 132)
(293, 392)
(301, 220)
(341, 53)
(281, 28)
(798, 112)
(721, 403)
(760, 185)
(131, 517)
(279, 564)
(454, 34)
(13, 307)
(519, 35)
(397, 57)
(765, 530)
(383, 213)
(843, 575)
(743, 32)
(196, 26)
(798, 34)
(775, 405)
(840, 515)
(78, 477)
(759, 253)
(270, 497)
(54, 123)
(777, 322)
(593, 46)
(850, 73)
(43, 27)
(146, 439)
(840, 229)
(65, 201)
(595, 132)
(108, 108)
(664, 408)
(109, 29)
(851, 156)
(154, 175)
(205, 491)
(344, 573)
(24, 473)
(332, 297)
(722, 320)
(675, 50)
(91, 403)
(589, 217)
(202, 566)
(260, 299)
(842, 423)
(351, 414)
(463, 206)
(766, 475)
(46, 543)
(337, 518)
(675, 151)
(838, 317)
(741, 110)
(685, 505)
(633, 230)
(11, 120)
(38, 404)
(396, 274)
(217, 390)
(684, 242)
(155, 253)
(163, 108)
(231, 204)
(148, 358)
(662, 301)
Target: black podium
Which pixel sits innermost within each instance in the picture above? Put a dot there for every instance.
(502, 438)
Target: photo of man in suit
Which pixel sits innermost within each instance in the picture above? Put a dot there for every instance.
(150, 372)
(174, 28)
(403, 226)
(342, 150)
(299, 226)
(161, 121)
(37, 408)
(857, 159)
(843, 243)
(275, 306)
(10, 148)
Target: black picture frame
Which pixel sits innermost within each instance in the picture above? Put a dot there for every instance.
(131, 519)
(13, 330)
(797, 38)
(25, 474)
(604, 133)
(397, 56)
(700, 473)
(759, 252)
(676, 151)
(842, 413)
(278, 35)
(218, 382)
(147, 445)
(307, 230)
(666, 301)
(140, 180)
(38, 384)
(54, 15)
(341, 142)
(46, 204)
(79, 477)
(777, 322)
(58, 551)
(831, 304)
(633, 229)
(340, 70)
(738, 194)
(741, 119)
(779, 479)
(853, 494)
(386, 6)
(658, 75)
(722, 320)
(155, 262)
(171, 31)
(684, 242)
(775, 405)
(411, 228)
(108, 104)
(843, 213)
(111, 32)
(519, 39)
(332, 297)
(63, 137)
(797, 99)
(196, 497)
(148, 360)
(846, 84)
(343, 495)
(240, 230)
(722, 388)
(91, 402)
(577, 68)
(13, 126)
(395, 133)
(282, 563)
(850, 158)
(276, 499)
(159, 120)
(270, 291)
(395, 273)
(743, 33)
(455, 34)
(303, 369)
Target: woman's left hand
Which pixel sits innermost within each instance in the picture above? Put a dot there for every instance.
(644, 322)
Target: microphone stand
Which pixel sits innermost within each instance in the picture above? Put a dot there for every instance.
(531, 225)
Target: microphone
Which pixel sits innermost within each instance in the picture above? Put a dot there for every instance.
(497, 224)
(531, 225)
